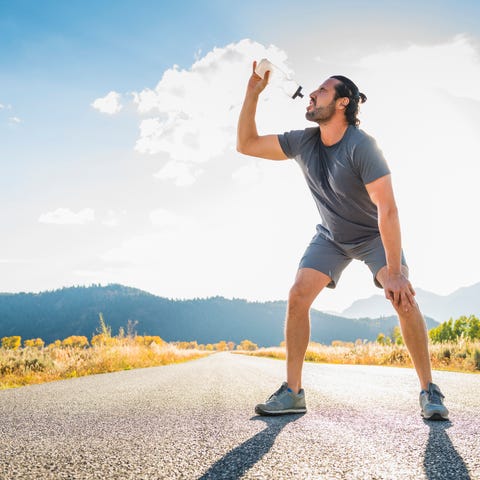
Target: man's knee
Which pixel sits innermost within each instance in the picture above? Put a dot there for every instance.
(308, 284)
(412, 314)
(299, 295)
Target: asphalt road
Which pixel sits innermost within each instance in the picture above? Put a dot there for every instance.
(196, 421)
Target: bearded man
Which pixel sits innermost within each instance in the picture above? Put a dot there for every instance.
(351, 184)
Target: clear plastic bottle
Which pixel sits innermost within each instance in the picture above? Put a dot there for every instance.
(289, 86)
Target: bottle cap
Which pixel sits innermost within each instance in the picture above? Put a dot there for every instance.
(298, 93)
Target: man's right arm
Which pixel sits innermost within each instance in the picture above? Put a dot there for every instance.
(248, 140)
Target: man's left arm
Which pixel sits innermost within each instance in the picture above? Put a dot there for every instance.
(396, 285)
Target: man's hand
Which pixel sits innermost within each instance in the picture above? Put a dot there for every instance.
(248, 140)
(257, 84)
(399, 291)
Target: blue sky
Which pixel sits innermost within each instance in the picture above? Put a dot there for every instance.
(152, 194)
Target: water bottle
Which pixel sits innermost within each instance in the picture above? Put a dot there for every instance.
(289, 86)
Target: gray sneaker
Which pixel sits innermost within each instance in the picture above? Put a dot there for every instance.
(283, 401)
(431, 403)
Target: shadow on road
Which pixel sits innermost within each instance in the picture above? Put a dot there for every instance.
(442, 461)
(236, 462)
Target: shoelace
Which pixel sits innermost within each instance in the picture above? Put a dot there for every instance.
(435, 396)
(280, 390)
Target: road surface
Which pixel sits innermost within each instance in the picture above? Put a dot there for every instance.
(196, 421)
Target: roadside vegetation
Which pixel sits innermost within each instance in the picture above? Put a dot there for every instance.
(454, 345)
(31, 361)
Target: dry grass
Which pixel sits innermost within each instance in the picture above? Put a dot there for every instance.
(462, 356)
(32, 365)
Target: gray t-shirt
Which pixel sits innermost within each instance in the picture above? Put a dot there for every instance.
(337, 176)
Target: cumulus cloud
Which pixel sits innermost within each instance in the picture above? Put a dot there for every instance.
(164, 218)
(183, 174)
(428, 67)
(15, 120)
(113, 218)
(193, 112)
(64, 216)
(247, 174)
(109, 104)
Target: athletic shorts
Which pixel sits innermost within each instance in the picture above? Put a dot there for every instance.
(331, 258)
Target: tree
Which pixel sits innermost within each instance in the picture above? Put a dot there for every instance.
(442, 333)
(397, 336)
(460, 327)
(473, 329)
(382, 339)
(451, 331)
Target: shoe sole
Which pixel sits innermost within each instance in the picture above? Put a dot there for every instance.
(435, 416)
(260, 411)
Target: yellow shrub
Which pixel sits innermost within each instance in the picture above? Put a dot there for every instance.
(247, 345)
(102, 339)
(34, 343)
(12, 343)
(75, 341)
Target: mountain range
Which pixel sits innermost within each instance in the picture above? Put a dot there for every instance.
(69, 311)
(464, 301)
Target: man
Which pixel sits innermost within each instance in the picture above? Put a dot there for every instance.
(351, 185)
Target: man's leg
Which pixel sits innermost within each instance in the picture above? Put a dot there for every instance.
(308, 284)
(414, 332)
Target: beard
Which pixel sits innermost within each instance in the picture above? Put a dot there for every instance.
(321, 114)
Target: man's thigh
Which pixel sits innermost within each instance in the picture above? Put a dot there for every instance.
(372, 253)
(325, 257)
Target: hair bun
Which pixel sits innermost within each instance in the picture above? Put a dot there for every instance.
(363, 97)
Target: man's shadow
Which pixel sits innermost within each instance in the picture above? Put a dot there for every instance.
(441, 460)
(235, 463)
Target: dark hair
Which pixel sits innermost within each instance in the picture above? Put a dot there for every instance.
(346, 88)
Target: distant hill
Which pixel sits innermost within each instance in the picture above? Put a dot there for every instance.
(74, 311)
(464, 301)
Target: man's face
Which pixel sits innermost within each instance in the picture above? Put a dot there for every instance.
(322, 104)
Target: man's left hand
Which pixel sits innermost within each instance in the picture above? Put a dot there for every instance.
(399, 291)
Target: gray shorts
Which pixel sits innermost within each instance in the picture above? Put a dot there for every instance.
(331, 257)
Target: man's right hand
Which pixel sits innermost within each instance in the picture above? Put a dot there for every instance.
(248, 140)
(257, 84)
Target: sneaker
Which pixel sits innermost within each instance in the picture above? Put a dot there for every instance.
(283, 401)
(431, 403)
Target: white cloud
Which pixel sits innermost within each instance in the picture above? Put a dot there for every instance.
(248, 174)
(195, 111)
(64, 216)
(452, 67)
(164, 218)
(113, 218)
(182, 173)
(109, 104)
(15, 120)
(2, 106)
